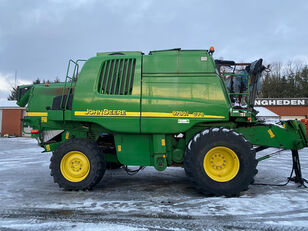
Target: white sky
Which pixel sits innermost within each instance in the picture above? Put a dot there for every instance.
(37, 38)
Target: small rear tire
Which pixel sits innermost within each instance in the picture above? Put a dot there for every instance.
(77, 164)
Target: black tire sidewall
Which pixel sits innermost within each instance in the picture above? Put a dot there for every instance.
(91, 151)
(212, 139)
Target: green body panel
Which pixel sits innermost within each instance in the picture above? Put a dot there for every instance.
(289, 136)
(55, 115)
(41, 96)
(183, 84)
(168, 97)
(159, 143)
(87, 97)
(178, 61)
(25, 98)
(138, 53)
(151, 150)
(189, 100)
(134, 149)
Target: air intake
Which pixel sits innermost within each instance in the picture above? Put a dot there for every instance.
(117, 77)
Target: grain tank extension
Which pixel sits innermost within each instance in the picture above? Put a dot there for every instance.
(167, 108)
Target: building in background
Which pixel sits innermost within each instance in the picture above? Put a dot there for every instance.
(10, 118)
(266, 114)
(286, 108)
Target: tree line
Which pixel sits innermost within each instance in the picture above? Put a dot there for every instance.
(285, 81)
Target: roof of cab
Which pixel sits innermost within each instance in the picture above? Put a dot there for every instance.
(175, 51)
(119, 53)
(154, 52)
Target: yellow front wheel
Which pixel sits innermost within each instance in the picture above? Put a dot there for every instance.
(221, 164)
(75, 166)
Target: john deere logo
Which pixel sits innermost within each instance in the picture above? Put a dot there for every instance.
(105, 112)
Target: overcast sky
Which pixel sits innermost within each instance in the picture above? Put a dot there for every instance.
(38, 37)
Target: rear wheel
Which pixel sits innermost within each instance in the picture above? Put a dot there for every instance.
(77, 164)
(219, 161)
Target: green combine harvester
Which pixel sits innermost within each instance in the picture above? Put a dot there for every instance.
(167, 108)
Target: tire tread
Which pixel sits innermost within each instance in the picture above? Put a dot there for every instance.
(97, 158)
(190, 163)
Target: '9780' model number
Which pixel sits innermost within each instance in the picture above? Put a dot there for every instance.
(186, 114)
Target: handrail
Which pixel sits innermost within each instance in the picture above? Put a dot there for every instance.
(247, 92)
(72, 79)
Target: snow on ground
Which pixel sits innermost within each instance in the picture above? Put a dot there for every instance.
(150, 200)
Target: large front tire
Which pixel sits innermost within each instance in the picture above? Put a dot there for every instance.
(77, 164)
(219, 161)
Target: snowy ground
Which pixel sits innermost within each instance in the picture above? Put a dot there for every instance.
(150, 200)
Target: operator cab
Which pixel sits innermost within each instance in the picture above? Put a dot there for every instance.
(242, 81)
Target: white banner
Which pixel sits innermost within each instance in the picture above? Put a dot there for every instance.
(282, 102)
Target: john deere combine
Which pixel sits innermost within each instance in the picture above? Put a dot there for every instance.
(167, 108)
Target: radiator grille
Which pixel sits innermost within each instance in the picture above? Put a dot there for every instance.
(117, 77)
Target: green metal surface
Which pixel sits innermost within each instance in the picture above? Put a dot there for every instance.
(152, 105)
(289, 137)
(23, 100)
(159, 143)
(160, 162)
(134, 149)
(114, 112)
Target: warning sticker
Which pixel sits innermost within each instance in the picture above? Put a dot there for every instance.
(183, 121)
(271, 133)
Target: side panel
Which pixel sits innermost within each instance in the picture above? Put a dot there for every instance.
(134, 149)
(42, 96)
(173, 103)
(178, 61)
(179, 90)
(291, 135)
(113, 111)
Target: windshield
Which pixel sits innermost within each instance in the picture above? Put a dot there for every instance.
(242, 80)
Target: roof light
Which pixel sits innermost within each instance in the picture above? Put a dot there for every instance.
(212, 50)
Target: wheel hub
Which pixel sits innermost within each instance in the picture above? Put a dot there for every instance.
(221, 164)
(75, 166)
(218, 161)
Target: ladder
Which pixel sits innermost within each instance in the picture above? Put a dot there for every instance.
(70, 82)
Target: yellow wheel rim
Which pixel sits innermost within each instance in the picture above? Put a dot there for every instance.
(75, 166)
(221, 164)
